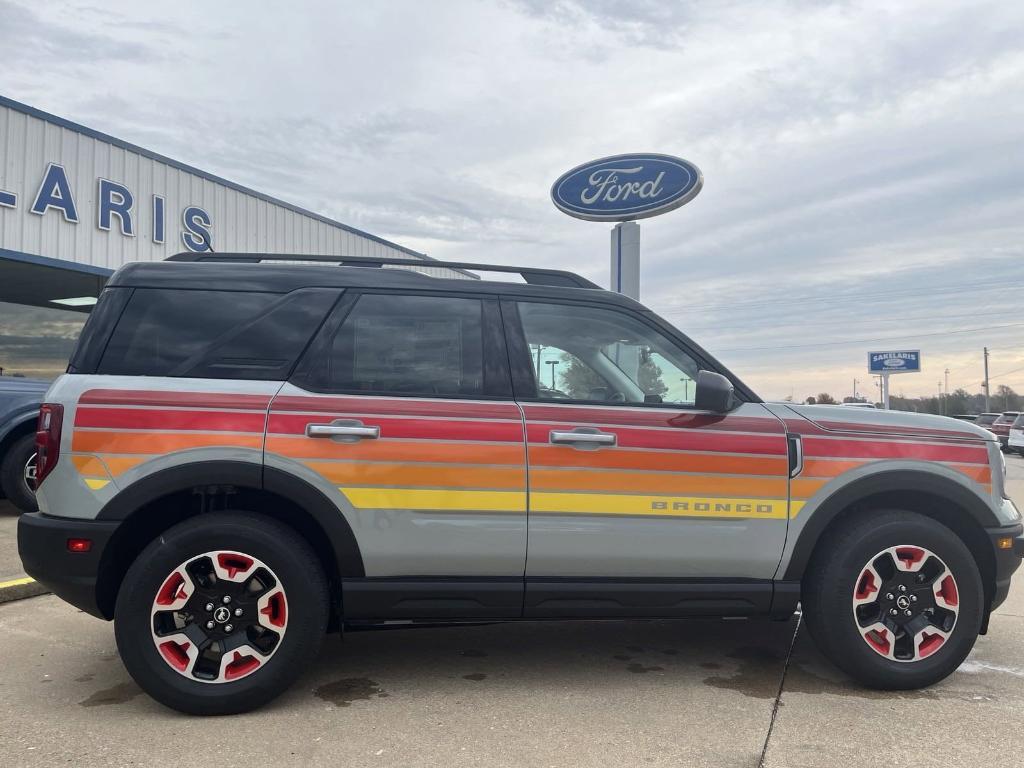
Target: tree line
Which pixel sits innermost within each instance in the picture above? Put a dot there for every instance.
(959, 401)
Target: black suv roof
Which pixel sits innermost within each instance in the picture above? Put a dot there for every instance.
(261, 272)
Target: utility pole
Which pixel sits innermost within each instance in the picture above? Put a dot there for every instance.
(947, 394)
(942, 404)
(985, 385)
(854, 390)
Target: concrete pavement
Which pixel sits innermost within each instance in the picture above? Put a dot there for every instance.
(697, 693)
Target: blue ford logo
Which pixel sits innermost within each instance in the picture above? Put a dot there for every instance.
(626, 187)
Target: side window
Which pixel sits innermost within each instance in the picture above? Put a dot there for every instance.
(409, 345)
(214, 334)
(589, 354)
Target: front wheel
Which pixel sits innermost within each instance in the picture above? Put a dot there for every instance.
(221, 613)
(894, 599)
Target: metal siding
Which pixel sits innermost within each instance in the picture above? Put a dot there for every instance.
(241, 222)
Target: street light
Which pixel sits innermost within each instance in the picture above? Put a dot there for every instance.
(552, 363)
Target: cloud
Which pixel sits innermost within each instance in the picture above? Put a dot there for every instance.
(862, 161)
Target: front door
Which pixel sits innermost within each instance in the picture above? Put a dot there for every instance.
(401, 413)
(628, 482)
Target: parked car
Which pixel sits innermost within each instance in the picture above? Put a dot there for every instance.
(1001, 427)
(1015, 440)
(858, 405)
(19, 410)
(986, 420)
(242, 455)
(966, 417)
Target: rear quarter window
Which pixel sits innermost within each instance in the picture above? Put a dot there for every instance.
(214, 334)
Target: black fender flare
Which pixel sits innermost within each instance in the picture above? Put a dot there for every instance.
(891, 481)
(29, 415)
(246, 475)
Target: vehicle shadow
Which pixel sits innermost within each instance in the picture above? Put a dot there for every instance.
(746, 656)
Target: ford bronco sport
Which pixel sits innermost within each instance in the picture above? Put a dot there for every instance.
(243, 455)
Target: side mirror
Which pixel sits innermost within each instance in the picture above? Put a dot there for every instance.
(714, 392)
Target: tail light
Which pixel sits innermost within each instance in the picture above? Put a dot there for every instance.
(51, 416)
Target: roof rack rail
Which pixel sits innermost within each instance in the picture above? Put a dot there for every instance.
(533, 276)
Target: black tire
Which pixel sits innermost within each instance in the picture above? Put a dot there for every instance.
(282, 550)
(831, 580)
(12, 473)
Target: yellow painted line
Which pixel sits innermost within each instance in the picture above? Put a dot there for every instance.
(17, 582)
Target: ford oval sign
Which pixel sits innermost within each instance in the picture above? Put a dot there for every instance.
(626, 187)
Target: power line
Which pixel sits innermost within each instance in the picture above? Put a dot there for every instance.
(1007, 373)
(865, 341)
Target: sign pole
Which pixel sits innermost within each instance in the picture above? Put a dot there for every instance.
(625, 261)
(885, 391)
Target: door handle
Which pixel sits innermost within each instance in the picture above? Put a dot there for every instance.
(583, 437)
(343, 429)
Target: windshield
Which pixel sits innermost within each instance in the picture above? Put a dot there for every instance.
(986, 418)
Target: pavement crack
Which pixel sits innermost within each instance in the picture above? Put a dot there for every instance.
(778, 696)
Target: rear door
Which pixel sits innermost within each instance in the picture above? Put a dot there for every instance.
(632, 491)
(402, 414)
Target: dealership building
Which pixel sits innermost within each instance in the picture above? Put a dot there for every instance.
(76, 204)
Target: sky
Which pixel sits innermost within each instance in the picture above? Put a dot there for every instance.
(863, 162)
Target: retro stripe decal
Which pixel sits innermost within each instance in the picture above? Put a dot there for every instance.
(169, 398)
(169, 419)
(432, 475)
(410, 428)
(436, 499)
(459, 456)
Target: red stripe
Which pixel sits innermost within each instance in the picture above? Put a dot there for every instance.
(399, 406)
(194, 399)
(411, 429)
(652, 417)
(129, 418)
(816, 447)
(681, 440)
(956, 434)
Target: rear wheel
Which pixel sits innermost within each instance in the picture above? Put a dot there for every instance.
(18, 473)
(221, 613)
(894, 599)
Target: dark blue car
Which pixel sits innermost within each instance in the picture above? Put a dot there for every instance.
(19, 408)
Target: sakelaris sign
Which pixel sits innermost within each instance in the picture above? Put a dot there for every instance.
(626, 187)
(902, 361)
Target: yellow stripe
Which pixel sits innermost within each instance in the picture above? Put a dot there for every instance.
(443, 499)
(455, 500)
(668, 506)
(96, 483)
(16, 582)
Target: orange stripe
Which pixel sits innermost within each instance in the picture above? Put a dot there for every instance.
(976, 473)
(89, 465)
(155, 442)
(388, 450)
(411, 475)
(817, 468)
(561, 479)
(668, 461)
(805, 488)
